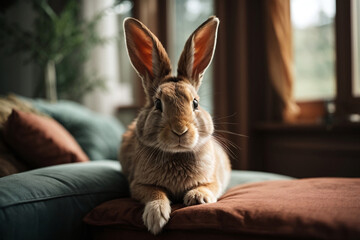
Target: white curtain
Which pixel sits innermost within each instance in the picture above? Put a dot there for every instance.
(280, 56)
(105, 62)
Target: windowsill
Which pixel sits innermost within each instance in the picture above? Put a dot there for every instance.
(307, 127)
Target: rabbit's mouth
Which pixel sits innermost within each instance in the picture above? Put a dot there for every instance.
(182, 148)
(180, 143)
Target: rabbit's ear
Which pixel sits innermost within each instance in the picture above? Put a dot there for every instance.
(146, 53)
(198, 52)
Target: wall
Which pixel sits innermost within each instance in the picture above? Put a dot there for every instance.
(16, 76)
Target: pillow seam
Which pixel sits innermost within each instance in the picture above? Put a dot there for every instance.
(41, 199)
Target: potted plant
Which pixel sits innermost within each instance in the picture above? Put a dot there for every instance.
(60, 43)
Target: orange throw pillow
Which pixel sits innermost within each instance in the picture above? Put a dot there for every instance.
(41, 141)
(314, 208)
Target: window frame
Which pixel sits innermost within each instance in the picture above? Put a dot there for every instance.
(344, 100)
(346, 103)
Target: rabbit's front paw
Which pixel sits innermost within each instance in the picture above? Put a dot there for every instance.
(156, 215)
(199, 196)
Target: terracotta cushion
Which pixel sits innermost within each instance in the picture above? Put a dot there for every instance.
(321, 208)
(40, 141)
(8, 162)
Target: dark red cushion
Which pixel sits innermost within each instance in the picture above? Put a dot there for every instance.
(40, 141)
(325, 208)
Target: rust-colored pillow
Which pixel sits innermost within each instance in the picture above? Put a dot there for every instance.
(319, 208)
(9, 164)
(40, 141)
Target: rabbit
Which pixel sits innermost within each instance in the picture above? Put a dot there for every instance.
(168, 153)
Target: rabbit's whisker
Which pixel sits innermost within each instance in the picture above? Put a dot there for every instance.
(232, 133)
(226, 144)
(220, 118)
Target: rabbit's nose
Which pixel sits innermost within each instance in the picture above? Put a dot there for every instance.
(180, 132)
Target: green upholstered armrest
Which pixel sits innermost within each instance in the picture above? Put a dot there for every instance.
(49, 203)
(241, 177)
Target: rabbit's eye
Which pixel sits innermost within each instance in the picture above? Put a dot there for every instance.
(158, 105)
(195, 104)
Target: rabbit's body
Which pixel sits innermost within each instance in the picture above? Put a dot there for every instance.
(168, 153)
(176, 173)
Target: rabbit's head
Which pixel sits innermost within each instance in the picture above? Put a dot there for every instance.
(172, 119)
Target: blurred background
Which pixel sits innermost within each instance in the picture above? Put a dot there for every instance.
(283, 88)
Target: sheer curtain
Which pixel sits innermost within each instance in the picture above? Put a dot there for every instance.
(105, 62)
(279, 55)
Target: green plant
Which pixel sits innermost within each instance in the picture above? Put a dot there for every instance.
(60, 43)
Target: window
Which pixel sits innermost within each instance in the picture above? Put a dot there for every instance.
(356, 47)
(184, 18)
(314, 49)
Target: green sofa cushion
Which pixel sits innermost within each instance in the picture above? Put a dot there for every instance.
(49, 203)
(98, 135)
(241, 177)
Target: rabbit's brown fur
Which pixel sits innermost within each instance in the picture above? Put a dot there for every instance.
(168, 153)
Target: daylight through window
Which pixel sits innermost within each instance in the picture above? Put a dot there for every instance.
(314, 49)
(184, 17)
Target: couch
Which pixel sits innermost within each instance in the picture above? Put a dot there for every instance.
(89, 199)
